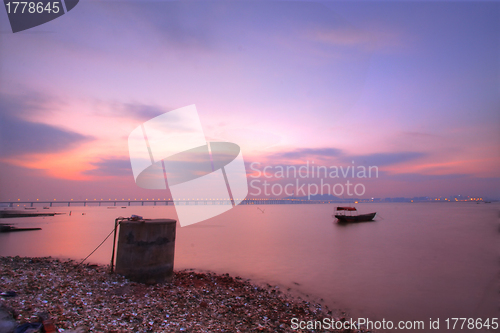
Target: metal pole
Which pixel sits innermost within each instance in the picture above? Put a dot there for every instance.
(114, 244)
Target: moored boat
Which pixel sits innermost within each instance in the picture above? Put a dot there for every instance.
(342, 217)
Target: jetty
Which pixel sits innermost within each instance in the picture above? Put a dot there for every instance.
(20, 213)
(9, 228)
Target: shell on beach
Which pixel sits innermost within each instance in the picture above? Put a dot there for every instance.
(87, 298)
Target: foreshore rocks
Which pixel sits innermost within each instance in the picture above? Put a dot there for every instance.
(87, 298)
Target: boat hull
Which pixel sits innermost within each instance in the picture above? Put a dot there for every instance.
(355, 218)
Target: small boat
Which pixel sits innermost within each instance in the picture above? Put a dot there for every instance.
(344, 218)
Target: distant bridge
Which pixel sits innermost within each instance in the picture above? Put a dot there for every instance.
(147, 202)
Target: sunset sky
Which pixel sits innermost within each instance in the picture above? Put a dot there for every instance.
(410, 87)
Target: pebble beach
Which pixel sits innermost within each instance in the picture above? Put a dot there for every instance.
(87, 298)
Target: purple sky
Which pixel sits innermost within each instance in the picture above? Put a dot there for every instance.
(412, 88)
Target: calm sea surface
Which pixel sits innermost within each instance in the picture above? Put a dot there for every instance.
(417, 261)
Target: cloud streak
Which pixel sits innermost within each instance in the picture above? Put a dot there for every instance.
(386, 159)
(19, 136)
(111, 167)
(340, 156)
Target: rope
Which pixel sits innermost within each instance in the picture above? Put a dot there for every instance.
(97, 247)
(121, 218)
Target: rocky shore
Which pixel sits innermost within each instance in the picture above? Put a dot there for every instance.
(88, 298)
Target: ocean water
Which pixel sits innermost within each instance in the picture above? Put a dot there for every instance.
(418, 261)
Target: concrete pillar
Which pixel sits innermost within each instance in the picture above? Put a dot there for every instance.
(146, 250)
